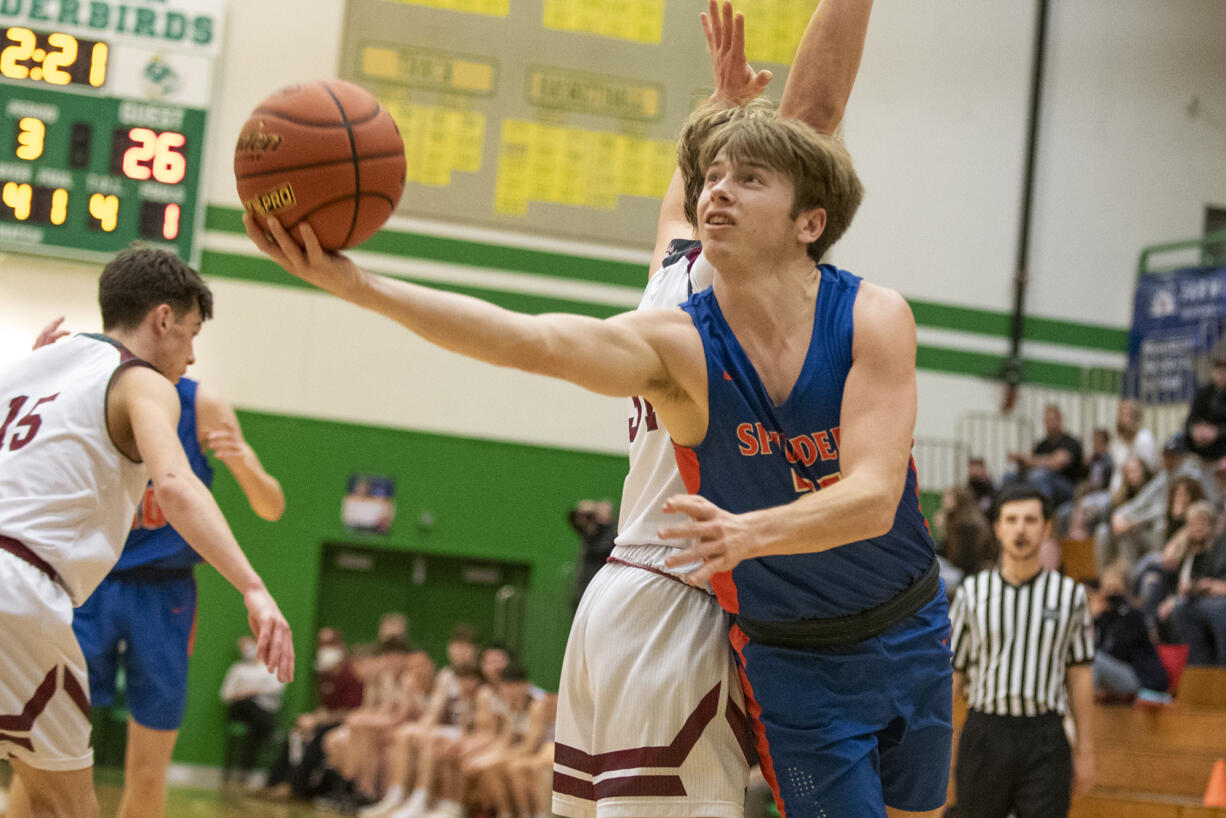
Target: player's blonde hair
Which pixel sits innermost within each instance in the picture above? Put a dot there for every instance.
(819, 167)
(694, 133)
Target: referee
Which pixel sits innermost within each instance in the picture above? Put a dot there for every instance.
(1023, 646)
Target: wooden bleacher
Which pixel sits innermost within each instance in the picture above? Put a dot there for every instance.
(1077, 558)
(1155, 763)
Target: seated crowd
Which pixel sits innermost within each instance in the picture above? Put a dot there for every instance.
(395, 736)
(1157, 521)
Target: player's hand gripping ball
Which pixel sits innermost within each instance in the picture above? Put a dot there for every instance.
(326, 153)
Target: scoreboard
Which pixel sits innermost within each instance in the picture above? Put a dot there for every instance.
(103, 116)
(547, 117)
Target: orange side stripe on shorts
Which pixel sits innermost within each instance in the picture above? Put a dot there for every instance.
(739, 640)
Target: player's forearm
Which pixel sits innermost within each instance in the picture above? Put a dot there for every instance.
(193, 512)
(460, 323)
(826, 63)
(262, 490)
(851, 510)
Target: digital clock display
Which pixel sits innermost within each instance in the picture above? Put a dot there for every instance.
(53, 57)
(103, 115)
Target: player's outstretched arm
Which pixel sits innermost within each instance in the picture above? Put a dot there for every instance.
(826, 63)
(875, 432)
(620, 356)
(144, 402)
(220, 432)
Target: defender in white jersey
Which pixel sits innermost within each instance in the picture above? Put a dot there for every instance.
(651, 718)
(83, 425)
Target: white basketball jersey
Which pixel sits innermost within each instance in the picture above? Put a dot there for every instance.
(653, 475)
(66, 492)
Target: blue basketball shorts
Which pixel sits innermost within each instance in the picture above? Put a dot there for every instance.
(845, 731)
(156, 621)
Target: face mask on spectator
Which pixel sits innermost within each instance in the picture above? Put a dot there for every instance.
(328, 659)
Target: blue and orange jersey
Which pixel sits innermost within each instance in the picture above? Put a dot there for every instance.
(758, 455)
(152, 543)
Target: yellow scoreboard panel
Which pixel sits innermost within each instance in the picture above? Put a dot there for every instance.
(550, 117)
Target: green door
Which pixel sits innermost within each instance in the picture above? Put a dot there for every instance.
(358, 584)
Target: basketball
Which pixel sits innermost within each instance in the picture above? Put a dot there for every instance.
(325, 153)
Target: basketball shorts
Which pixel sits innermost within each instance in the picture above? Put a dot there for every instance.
(44, 707)
(847, 730)
(155, 620)
(651, 720)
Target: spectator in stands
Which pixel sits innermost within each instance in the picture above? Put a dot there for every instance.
(409, 740)
(1131, 440)
(521, 731)
(1013, 753)
(1099, 466)
(1157, 576)
(1139, 525)
(593, 521)
(1199, 613)
(299, 768)
(1125, 660)
(492, 662)
(1055, 465)
(980, 483)
(392, 694)
(252, 696)
(1095, 509)
(1205, 427)
(967, 545)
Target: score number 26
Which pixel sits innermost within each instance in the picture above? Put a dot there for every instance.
(153, 155)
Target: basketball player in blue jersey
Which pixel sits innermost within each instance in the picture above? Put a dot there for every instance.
(789, 389)
(148, 601)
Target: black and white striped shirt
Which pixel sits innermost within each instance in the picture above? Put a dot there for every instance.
(1014, 643)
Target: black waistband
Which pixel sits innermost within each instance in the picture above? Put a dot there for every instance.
(150, 574)
(845, 630)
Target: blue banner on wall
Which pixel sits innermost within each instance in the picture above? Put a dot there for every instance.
(1178, 323)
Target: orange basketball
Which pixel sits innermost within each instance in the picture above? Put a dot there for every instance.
(323, 152)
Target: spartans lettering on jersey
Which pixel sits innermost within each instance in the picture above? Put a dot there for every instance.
(755, 439)
(149, 514)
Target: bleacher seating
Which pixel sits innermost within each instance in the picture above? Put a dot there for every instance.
(1077, 558)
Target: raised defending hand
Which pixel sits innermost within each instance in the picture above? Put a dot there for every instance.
(50, 333)
(274, 642)
(719, 540)
(333, 272)
(736, 81)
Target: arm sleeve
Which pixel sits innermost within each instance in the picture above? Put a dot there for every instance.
(1081, 627)
(960, 637)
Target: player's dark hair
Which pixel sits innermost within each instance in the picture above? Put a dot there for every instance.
(462, 632)
(139, 279)
(1017, 492)
(467, 670)
(514, 672)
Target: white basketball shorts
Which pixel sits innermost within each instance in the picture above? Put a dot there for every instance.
(44, 698)
(651, 721)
